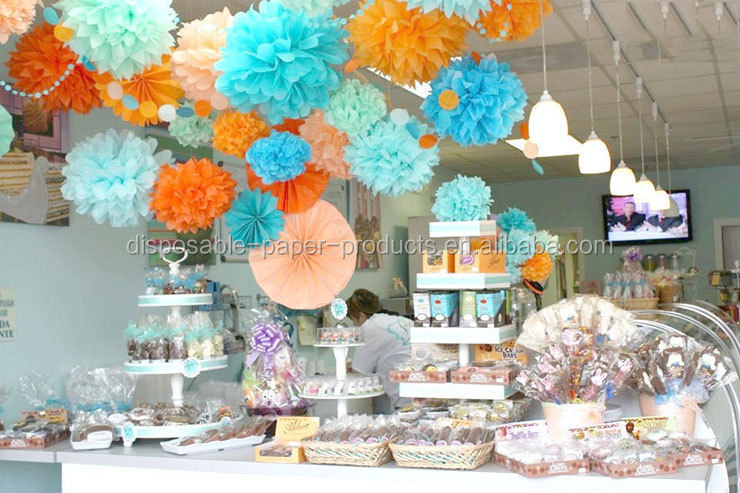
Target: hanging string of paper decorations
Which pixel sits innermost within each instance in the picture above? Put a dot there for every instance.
(276, 87)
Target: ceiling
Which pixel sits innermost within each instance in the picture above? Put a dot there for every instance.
(690, 65)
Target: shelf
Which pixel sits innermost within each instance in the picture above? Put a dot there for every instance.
(176, 299)
(449, 229)
(176, 367)
(462, 335)
(463, 281)
(455, 391)
(341, 397)
(354, 344)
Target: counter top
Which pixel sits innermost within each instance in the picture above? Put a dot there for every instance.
(149, 455)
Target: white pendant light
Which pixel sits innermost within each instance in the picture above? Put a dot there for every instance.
(644, 189)
(594, 157)
(622, 181)
(672, 210)
(547, 120)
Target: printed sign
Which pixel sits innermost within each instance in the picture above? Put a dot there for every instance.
(294, 429)
(7, 315)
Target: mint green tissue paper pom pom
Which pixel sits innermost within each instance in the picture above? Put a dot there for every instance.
(355, 107)
(192, 131)
(466, 198)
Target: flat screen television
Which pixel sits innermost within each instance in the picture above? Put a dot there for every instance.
(629, 223)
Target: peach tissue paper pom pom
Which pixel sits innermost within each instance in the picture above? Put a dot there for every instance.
(327, 146)
(16, 16)
(199, 46)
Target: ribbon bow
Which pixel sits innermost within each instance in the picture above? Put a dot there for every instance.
(266, 340)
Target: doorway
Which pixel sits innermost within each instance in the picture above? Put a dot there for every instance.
(567, 275)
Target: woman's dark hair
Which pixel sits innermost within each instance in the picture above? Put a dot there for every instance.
(363, 301)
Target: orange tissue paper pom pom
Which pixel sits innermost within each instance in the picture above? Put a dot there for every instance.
(513, 20)
(408, 45)
(191, 196)
(538, 268)
(37, 63)
(327, 146)
(235, 132)
(154, 85)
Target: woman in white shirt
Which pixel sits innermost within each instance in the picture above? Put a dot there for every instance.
(386, 342)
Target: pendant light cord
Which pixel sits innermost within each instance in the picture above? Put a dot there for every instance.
(590, 85)
(619, 113)
(668, 156)
(542, 35)
(642, 145)
(657, 160)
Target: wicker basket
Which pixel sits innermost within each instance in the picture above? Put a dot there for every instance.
(641, 304)
(616, 302)
(464, 457)
(347, 454)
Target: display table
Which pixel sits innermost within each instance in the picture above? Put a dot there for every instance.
(146, 468)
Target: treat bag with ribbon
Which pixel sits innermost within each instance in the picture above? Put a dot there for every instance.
(272, 376)
(40, 393)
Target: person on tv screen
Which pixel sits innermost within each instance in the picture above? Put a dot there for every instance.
(663, 223)
(629, 220)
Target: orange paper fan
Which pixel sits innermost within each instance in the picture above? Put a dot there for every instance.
(154, 85)
(38, 62)
(513, 20)
(311, 262)
(538, 268)
(190, 196)
(235, 132)
(294, 195)
(405, 44)
(290, 125)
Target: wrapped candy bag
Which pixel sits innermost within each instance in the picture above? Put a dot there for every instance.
(678, 368)
(5, 391)
(175, 328)
(130, 335)
(272, 376)
(612, 327)
(359, 429)
(40, 393)
(155, 280)
(100, 389)
(576, 370)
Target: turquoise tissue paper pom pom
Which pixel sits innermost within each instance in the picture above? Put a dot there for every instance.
(515, 218)
(491, 101)
(109, 176)
(280, 61)
(466, 198)
(7, 134)
(254, 219)
(313, 7)
(280, 157)
(355, 107)
(389, 159)
(470, 10)
(120, 37)
(192, 131)
(519, 247)
(548, 242)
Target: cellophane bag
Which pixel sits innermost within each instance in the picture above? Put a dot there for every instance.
(272, 377)
(39, 392)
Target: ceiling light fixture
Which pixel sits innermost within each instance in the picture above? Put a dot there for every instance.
(622, 181)
(547, 120)
(594, 157)
(660, 200)
(644, 189)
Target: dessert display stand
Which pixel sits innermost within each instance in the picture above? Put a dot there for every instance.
(178, 370)
(465, 337)
(340, 358)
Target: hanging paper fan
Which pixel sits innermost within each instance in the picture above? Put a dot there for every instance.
(293, 271)
(142, 95)
(294, 195)
(39, 60)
